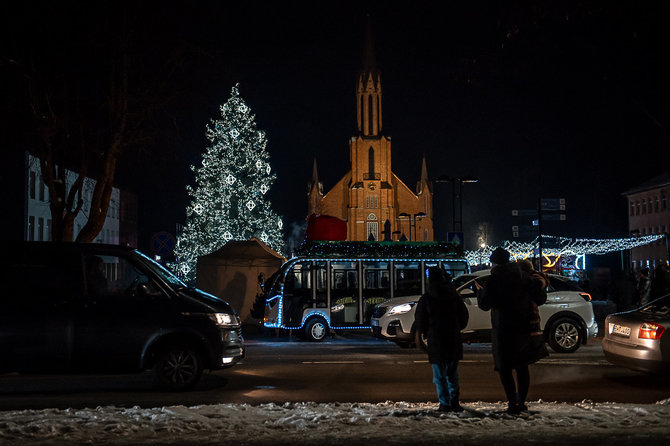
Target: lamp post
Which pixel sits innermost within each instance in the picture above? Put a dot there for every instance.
(411, 217)
(456, 196)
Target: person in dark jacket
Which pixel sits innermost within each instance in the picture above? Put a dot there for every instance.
(441, 314)
(511, 295)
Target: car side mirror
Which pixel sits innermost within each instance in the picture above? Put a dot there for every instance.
(144, 289)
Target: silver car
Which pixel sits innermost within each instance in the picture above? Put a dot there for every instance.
(567, 317)
(638, 339)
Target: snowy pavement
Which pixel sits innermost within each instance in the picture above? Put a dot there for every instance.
(391, 423)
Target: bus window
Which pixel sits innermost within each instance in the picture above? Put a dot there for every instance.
(376, 286)
(407, 279)
(297, 293)
(455, 268)
(344, 293)
(321, 284)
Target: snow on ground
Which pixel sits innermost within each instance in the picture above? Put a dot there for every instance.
(391, 423)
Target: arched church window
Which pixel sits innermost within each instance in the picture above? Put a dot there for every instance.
(371, 162)
(372, 216)
(370, 132)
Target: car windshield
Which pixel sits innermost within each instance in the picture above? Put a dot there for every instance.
(160, 270)
(460, 280)
(659, 306)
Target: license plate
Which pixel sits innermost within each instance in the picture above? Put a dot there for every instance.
(374, 323)
(620, 330)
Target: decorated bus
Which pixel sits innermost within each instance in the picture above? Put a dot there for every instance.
(336, 285)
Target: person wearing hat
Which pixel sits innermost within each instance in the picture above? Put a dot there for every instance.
(510, 293)
(441, 314)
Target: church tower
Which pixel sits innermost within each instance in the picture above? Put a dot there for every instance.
(370, 198)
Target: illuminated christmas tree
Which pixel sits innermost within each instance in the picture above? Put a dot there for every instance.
(228, 201)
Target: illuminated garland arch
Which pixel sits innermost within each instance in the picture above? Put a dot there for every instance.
(566, 246)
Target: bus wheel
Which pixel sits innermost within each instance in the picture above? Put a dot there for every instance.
(316, 329)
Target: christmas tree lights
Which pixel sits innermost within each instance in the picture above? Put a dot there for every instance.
(227, 202)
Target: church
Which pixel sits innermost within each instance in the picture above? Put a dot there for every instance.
(370, 199)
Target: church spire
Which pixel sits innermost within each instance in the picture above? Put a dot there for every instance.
(315, 173)
(424, 183)
(369, 90)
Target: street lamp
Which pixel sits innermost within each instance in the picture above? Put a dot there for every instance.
(457, 195)
(411, 217)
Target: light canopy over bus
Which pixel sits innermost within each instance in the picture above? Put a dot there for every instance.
(336, 285)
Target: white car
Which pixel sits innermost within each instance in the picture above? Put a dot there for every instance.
(567, 316)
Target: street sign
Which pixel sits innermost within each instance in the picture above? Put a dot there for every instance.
(523, 231)
(553, 217)
(455, 237)
(524, 212)
(552, 204)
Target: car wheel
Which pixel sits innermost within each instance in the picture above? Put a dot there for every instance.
(421, 341)
(178, 368)
(316, 330)
(564, 335)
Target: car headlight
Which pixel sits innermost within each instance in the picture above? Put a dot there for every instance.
(224, 320)
(402, 308)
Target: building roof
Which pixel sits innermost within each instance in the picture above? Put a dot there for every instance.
(656, 182)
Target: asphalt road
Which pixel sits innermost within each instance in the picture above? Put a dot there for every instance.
(346, 368)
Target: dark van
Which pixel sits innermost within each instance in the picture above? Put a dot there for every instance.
(69, 307)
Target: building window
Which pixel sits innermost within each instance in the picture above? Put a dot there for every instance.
(49, 229)
(632, 207)
(371, 202)
(644, 206)
(40, 229)
(32, 184)
(664, 201)
(41, 189)
(656, 204)
(637, 207)
(31, 228)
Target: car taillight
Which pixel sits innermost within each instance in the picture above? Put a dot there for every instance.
(586, 296)
(649, 330)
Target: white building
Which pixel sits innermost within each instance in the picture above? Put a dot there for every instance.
(37, 216)
(649, 214)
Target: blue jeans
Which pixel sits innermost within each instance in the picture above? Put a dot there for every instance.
(445, 377)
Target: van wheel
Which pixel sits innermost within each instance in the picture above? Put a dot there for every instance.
(564, 335)
(178, 368)
(316, 330)
(421, 341)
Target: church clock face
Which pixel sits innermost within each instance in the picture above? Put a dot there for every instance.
(371, 186)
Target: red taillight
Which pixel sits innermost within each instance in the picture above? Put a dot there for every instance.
(649, 330)
(586, 296)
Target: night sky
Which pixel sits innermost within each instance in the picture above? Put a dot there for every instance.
(535, 98)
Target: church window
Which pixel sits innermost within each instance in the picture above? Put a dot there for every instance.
(370, 132)
(372, 228)
(371, 162)
(372, 217)
(371, 202)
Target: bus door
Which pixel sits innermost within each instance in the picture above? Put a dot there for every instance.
(344, 293)
(297, 293)
(376, 286)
